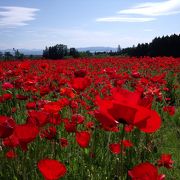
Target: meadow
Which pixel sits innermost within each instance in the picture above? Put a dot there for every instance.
(110, 118)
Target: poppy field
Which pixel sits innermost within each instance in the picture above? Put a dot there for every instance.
(95, 119)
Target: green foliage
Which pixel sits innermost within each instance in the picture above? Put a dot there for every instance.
(9, 56)
(160, 46)
(59, 51)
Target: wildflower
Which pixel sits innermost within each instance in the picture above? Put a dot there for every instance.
(49, 133)
(115, 148)
(169, 109)
(166, 161)
(7, 126)
(126, 107)
(11, 154)
(7, 85)
(145, 171)
(25, 133)
(51, 169)
(83, 138)
(63, 142)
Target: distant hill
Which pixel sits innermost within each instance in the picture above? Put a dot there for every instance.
(25, 51)
(83, 49)
(97, 49)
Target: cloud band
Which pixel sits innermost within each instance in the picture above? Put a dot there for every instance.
(11, 16)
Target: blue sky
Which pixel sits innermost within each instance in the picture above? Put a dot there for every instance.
(34, 24)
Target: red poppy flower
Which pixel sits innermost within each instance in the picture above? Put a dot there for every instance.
(166, 89)
(24, 66)
(128, 128)
(102, 115)
(90, 125)
(11, 141)
(1, 99)
(7, 126)
(25, 133)
(31, 105)
(80, 73)
(7, 85)
(80, 83)
(40, 103)
(127, 143)
(115, 148)
(169, 109)
(78, 118)
(126, 107)
(166, 161)
(70, 126)
(63, 102)
(7, 96)
(14, 109)
(11, 154)
(49, 133)
(43, 66)
(68, 92)
(136, 74)
(74, 104)
(44, 90)
(145, 171)
(51, 169)
(83, 138)
(38, 118)
(21, 97)
(111, 129)
(55, 119)
(52, 107)
(167, 99)
(63, 142)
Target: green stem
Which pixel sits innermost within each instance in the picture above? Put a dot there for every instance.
(121, 155)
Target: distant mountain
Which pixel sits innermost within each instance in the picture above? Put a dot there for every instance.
(25, 51)
(40, 51)
(97, 49)
(31, 51)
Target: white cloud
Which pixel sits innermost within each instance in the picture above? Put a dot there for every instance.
(125, 19)
(147, 12)
(11, 16)
(167, 7)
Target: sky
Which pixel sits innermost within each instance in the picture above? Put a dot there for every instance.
(34, 24)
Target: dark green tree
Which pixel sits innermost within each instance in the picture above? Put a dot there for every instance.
(17, 54)
(58, 51)
(1, 55)
(73, 52)
(160, 46)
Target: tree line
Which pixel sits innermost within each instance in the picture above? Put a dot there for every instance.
(160, 46)
(59, 51)
(11, 56)
(16, 55)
